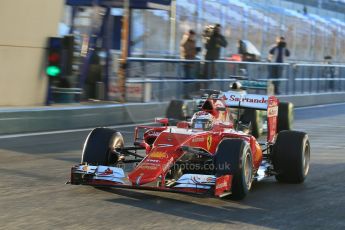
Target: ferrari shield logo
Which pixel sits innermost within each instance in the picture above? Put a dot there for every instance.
(209, 142)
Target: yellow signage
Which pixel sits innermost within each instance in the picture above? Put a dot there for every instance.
(158, 155)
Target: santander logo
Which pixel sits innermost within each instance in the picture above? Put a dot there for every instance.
(262, 100)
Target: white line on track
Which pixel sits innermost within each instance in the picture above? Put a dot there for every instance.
(319, 106)
(67, 131)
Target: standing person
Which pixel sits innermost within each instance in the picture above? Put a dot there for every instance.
(213, 44)
(94, 75)
(188, 52)
(329, 72)
(277, 54)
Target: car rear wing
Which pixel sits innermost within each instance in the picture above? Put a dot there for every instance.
(242, 100)
(254, 101)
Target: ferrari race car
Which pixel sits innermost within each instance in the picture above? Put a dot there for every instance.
(213, 154)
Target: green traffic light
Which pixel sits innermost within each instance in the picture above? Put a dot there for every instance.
(53, 71)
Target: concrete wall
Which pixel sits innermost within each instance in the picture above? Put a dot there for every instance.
(61, 118)
(25, 26)
(82, 116)
(314, 99)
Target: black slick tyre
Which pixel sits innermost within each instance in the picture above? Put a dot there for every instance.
(99, 146)
(291, 156)
(234, 157)
(285, 116)
(253, 116)
(176, 111)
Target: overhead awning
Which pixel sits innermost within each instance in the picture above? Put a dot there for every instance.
(134, 4)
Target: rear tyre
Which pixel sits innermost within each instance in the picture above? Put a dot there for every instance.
(253, 116)
(291, 156)
(176, 111)
(235, 153)
(100, 145)
(285, 116)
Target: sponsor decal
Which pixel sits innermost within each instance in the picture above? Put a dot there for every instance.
(152, 160)
(104, 171)
(209, 142)
(196, 179)
(209, 179)
(153, 133)
(201, 180)
(272, 111)
(159, 155)
(149, 166)
(108, 171)
(86, 168)
(198, 139)
(192, 186)
(223, 184)
(247, 99)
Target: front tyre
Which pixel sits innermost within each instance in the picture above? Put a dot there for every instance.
(235, 153)
(291, 156)
(100, 145)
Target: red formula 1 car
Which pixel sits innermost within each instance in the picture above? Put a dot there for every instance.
(213, 154)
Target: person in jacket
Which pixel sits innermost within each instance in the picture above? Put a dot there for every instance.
(329, 72)
(213, 45)
(188, 52)
(277, 54)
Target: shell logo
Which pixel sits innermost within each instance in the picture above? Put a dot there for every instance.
(158, 155)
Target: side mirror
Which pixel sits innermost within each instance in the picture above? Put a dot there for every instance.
(163, 121)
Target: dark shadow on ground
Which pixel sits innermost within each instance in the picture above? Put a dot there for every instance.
(270, 204)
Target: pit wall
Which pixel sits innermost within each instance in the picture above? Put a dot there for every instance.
(14, 121)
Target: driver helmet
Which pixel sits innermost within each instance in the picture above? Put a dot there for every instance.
(202, 120)
(236, 86)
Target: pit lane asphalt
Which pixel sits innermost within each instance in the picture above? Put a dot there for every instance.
(33, 170)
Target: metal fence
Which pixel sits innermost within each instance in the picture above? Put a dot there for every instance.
(166, 79)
